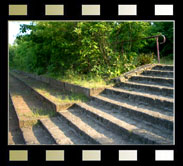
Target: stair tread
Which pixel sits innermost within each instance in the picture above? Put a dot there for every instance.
(163, 67)
(163, 71)
(154, 97)
(139, 111)
(148, 85)
(146, 88)
(36, 135)
(101, 138)
(55, 131)
(50, 93)
(165, 81)
(135, 121)
(138, 108)
(155, 77)
(125, 125)
(116, 139)
(158, 73)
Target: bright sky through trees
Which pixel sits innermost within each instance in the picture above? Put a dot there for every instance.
(13, 30)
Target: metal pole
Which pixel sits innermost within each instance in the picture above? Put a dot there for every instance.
(157, 43)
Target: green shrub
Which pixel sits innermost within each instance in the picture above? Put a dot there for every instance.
(143, 59)
(40, 70)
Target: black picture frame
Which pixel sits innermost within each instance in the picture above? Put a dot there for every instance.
(73, 154)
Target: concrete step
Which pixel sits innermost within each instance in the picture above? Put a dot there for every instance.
(24, 104)
(146, 88)
(54, 131)
(48, 96)
(163, 103)
(141, 112)
(14, 132)
(55, 106)
(114, 138)
(168, 82)
(61, 132)
(123, 128)
(163, 67)
(36, 135)
(82, 128)
(158, 73)
(134, 120)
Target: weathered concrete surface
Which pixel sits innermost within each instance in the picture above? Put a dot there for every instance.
(137, 71)
(64, 85)
(138, 110)
(145, 88)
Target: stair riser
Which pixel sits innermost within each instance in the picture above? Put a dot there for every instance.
(158, 74)
(155, 103)
(132, 113)
(115, 128)
(170, 68)
(156, 81)
(78, 131)
(149, 89)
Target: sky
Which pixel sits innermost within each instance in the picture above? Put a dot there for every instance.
(13, 30)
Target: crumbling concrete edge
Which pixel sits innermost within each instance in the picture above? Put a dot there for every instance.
(124, 77)
(44, 100)
(64, 85)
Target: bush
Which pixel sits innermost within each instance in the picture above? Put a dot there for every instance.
(143, 59)
(40, 70)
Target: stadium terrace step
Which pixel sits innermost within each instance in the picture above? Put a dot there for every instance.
(122, 127)
(152, 80)
(163, 67)
(23, 103)
(158, 73)
(56, 133)
(14, 133)
(146, 88)
(95, 123)
(49, 96)
(133, 110)
(84, 129)
(163, 103)
(36, 135)
(134, 120)
(137, 111)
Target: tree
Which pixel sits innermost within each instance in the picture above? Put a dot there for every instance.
(89, 48)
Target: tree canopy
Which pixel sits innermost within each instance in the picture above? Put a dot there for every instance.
(92, 48)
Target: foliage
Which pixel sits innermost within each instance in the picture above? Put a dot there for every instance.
(12, 50)
(126, 31)
(166, 60)
(92, 49)
(165, 28)
(145, 59)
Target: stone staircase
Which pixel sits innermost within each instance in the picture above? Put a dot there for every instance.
(139, 110)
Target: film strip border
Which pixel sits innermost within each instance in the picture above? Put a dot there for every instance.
(19, 156)
(95, 9)
(90, 155)
(90, 10)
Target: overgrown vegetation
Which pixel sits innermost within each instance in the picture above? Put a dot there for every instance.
(43, 113)
(87, 51)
